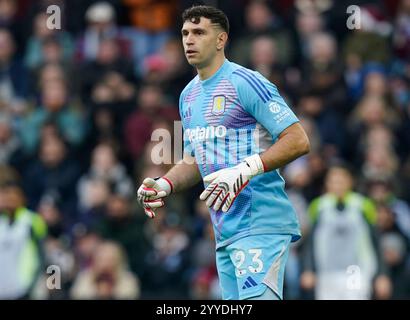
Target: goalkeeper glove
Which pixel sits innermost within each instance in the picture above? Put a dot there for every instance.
(225, 184)
(151, 193)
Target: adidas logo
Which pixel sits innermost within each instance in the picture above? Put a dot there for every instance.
(187, 114)
(249, 283)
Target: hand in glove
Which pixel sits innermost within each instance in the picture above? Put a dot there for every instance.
(151, 194)
(224, 185)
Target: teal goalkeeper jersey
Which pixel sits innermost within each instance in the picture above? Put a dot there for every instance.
(226, 118)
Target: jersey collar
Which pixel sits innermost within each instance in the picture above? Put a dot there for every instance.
(216, 75)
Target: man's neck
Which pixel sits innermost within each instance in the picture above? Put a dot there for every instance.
(208, 71)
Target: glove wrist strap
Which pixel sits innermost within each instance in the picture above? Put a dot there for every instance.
(255, 164)
(165, 184)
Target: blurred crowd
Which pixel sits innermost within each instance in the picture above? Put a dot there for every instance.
(77, 108)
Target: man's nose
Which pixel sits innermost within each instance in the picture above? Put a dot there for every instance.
(189, 40)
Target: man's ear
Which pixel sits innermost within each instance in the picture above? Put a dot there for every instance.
(221, 40)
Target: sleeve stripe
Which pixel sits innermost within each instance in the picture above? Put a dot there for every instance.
(257, 81)
(254, 85)
(261, 84)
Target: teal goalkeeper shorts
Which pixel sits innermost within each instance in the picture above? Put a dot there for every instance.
(248, 266)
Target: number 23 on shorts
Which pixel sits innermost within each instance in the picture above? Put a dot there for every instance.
(254, 265)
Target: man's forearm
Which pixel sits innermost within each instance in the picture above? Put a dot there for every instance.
(291, 144)
(183, 175)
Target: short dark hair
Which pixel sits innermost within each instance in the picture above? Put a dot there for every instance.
(216, 16)
(338, 163)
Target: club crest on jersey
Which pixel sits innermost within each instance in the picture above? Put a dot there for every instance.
(218, 105)
(274, 107)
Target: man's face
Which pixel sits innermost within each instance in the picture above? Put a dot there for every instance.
(10, 199)
(201, 41)
(338, 182)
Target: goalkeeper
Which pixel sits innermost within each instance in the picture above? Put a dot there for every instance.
(237, 132)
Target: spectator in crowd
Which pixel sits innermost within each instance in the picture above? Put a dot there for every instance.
(93, 192)
(166, 274)
(168, 69)
(367, 44)
(395, 247)
(53, 172)
(50, 212)
(103, 129)
(109, 79)
(21, 244)
(13, 76)
(52, 56)
(105, 167)
(101, 24)
(260, 20)
(85, 242)
(10, 147)
(382, 193)
(343, 222)
(307, 23)
(114, 93)
(108, 276)
(263, 58)
(152, 23)
(401, 33)
(323, 71)
(57, 253)
(313, 104)
(371, 112)
(151, 106)
(35, 56)
(52, 72)
(12, 18)
(57, 108)
(121, 224)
